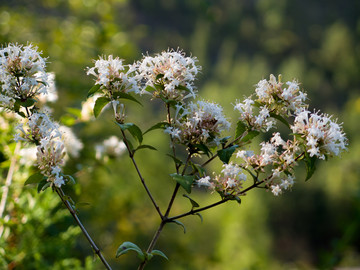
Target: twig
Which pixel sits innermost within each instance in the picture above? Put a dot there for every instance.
(131, 155)
(68, 205)
(7, 184)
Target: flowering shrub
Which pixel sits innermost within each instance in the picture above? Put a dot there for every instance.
(194, 127)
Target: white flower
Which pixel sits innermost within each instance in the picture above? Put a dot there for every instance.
(73, 145)
(22, 72)
(111, 147)
(172, 71)
(204, 181)
(198, 123)
(276, 190)
(113, 76)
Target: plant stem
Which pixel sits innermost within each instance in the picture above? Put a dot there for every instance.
(68, 205)
(153, 242)
(8, 181)
(131, 155)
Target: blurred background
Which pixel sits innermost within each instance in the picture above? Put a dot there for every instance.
(315, 226)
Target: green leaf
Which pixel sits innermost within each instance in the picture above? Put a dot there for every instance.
(185, 181)
(176, 160)
(126, 96)
(34, 179)
(70, 179)
(199, 169)
(197, 148)
(240, 129)
(251, 134)
(180, 224)
(159, 253)
(93, 90)
(145, 146)
(310, 165)
(200, 216)
(280, 118)
(134, 130)
(193, 203)
(160, 125)
(44, 184)
(100, 103)
(74, 111)
(150, 89)
(225, 154)
(128, 246)
(26, 103)
(68, 120)
(181, 87)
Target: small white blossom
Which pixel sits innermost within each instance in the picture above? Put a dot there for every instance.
(171, 71)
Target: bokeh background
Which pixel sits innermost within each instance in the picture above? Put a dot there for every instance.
(315, 226)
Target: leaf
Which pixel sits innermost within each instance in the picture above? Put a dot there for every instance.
(25, 103)
(181, 87)
(199, 169)
(193, 203)
(93, 90)
(240, 129)
(145, 146)
(200, 216)
(225, 154)
(68, 120)
(310, 165)
(70, 179)
(159, 253)
(280, 118)
(185, 181)
(176, 160)
(160, 125)
(180, 224)
(34, 179)
(128, 246)
(201, 148)
(44, 184)
(134, 130)
(150, 89)
(251, 134)
(100, 103)
(126, 96)
(74, 111)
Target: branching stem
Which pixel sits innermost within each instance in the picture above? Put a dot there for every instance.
(68, 205)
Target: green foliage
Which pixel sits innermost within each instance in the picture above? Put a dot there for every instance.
(186, 181)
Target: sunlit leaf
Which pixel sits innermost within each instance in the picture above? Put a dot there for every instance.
(193, 203)
(159, 253)
(126, 96)
(180, 224)
(240, 129)
(225, 154)
(160, 125)
(100, 103)
(128, 246)
(34, 179)
(185, 181)
(93, 90)
(134, 130)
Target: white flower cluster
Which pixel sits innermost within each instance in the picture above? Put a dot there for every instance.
(271, 97)
(111, 147)
(198, 123)
(228, 183)
(113, 76)
(22, 74)
(277, 154)
(170, 74)
(323, 136)
(40, 130)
